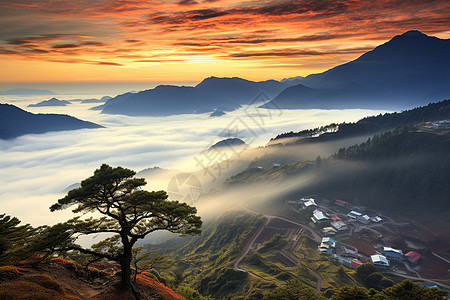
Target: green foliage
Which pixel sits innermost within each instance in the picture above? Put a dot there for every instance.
(129, 213)
(351, 293)
(293, 289)
(12, 238)
(276, 242)
(369, 275)
(206, 261)
(408, 290)
(189, 293)
(363, 271)
(431, 112)
(145, 261)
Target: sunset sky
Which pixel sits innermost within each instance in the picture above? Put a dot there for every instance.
(187, 40)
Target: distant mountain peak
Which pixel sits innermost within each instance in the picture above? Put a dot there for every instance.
(415, 33)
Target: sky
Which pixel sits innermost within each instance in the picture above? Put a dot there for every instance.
(114, 41)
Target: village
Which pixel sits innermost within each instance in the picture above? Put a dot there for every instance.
(354, 234)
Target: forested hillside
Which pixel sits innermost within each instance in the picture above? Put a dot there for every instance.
(405, 170)
(369, 125)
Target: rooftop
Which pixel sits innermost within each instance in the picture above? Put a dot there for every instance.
(341, 201)
(319, 215)
(414, 256)
(379, 259)
(355, 213)
(392, 250)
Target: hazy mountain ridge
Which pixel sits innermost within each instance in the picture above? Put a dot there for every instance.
(411, 69)
(211, 94)
(369, 125)
(51, 102)
(27, 92)
(15, 122)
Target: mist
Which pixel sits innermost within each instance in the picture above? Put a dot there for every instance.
(36, 169)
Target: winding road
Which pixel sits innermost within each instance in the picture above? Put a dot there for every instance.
(250, 244)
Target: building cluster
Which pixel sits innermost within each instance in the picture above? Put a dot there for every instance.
(331, 224)
(392, 255)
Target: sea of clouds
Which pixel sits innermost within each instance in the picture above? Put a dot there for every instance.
(36, 169)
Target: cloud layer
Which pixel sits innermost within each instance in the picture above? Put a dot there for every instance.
(200, 38)
(35, 169)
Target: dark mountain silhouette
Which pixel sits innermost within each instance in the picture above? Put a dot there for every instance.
(231, 142)
(218, 113)
(15, 122)
(212, 93)
(51, 102)
(411, 69)
(27, 92)
(101, 100)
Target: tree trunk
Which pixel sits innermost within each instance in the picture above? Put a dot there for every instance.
(125, 264)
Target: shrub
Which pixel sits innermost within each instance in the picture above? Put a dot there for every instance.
(30, 290)
(8, 272)
(44, 281)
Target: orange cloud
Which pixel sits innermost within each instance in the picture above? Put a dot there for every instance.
(282, 35)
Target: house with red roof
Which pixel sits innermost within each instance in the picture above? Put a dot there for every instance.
(341, 203)
(354, 264)
(413, 257)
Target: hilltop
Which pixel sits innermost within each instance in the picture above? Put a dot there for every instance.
(15, 122)
(411, 69)
(62, 279)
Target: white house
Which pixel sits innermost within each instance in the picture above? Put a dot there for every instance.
(376, 219)
(379, 261)
(339, 225)
(328, 241)
(320, 217)
(309, 203)
(394, 255)
(354, 215)
(364, 219)
(329, 231)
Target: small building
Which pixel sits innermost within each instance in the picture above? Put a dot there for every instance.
(376, 219)
(354, 264)
(329, 241)
(379, 261)
(393, 255)
(364, 219)
(341, 203)
(413, 257)
(339, 225)
(320, 217)
(335, 218)
(309, 203)
(354, 215)
(329, 231)
(325, 249)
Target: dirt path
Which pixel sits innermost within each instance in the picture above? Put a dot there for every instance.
(249, 245)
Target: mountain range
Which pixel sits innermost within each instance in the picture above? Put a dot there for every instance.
(27, 92)
(411, 69)
(51, 102)
(15, 122)
(224, 94)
